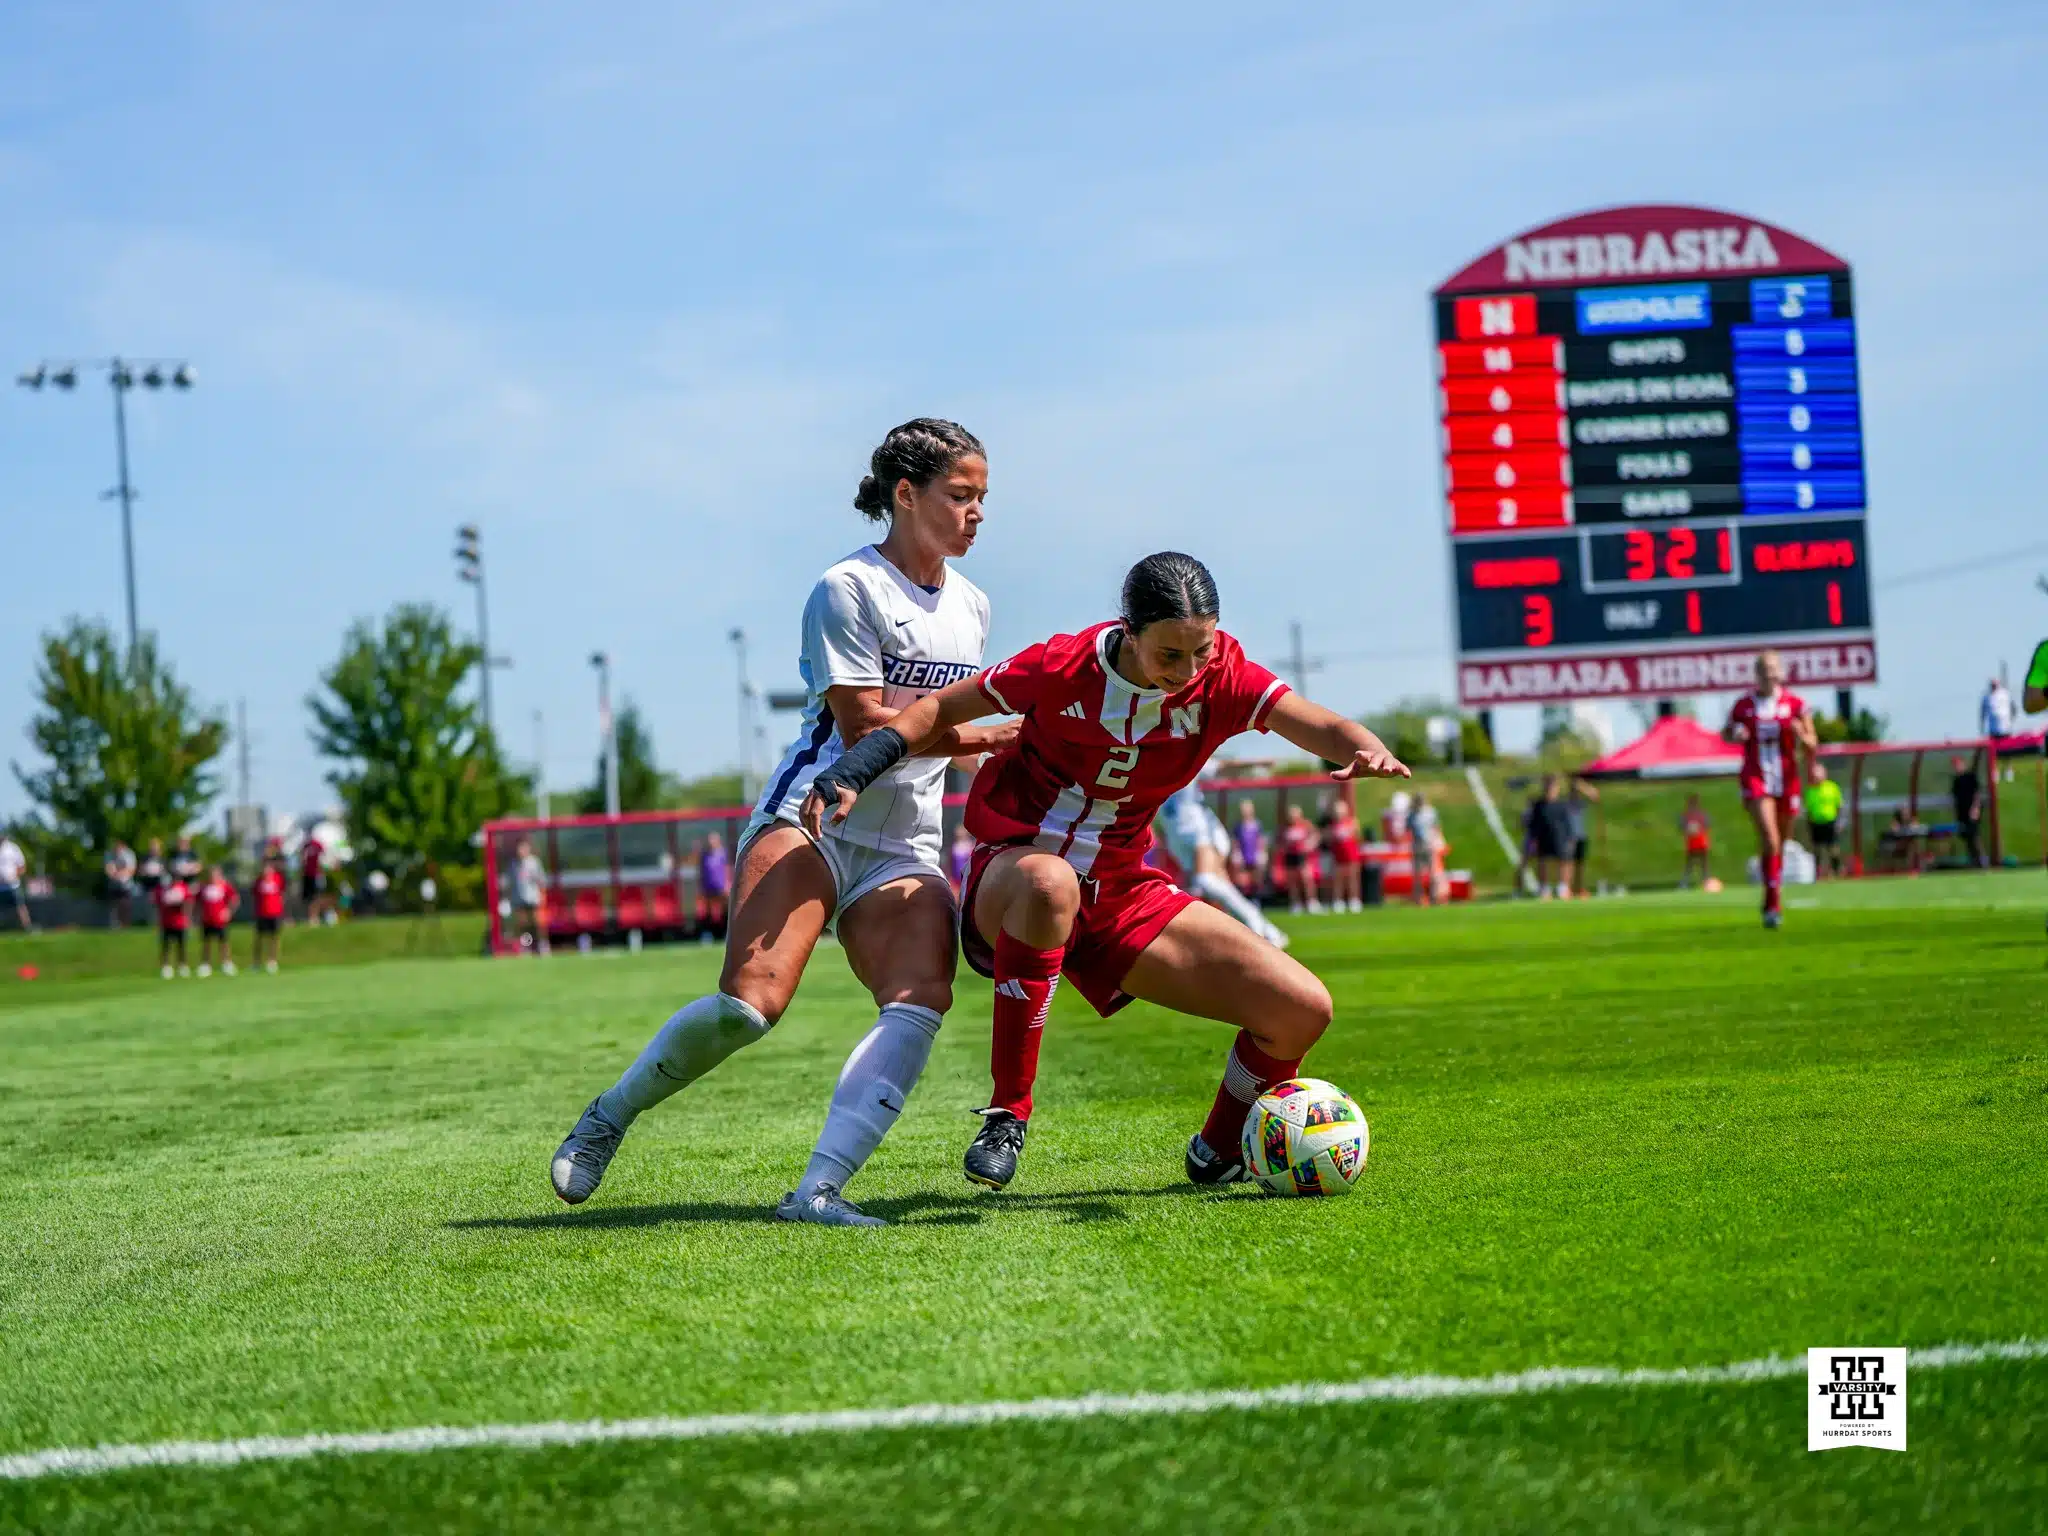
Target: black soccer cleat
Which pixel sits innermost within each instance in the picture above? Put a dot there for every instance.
(992, 1156)
(1206, 1167)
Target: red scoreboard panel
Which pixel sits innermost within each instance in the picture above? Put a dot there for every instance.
(1652, 459)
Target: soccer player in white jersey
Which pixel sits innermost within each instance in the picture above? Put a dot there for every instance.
(1200, 845)
(884, 627)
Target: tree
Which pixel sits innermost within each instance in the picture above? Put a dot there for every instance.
(416, 771)
(1404, 727)
(130, 754)
(642, 784)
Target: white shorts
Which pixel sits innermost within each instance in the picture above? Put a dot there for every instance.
(855, 870)
(1183, 834)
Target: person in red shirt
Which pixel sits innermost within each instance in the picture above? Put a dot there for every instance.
(218, 899)
(1776, 735)
(1301, 861)
(313, 880)
(1115, 719)
(1698, 830)
(270, 894)
(1347, 860)
(173, 897)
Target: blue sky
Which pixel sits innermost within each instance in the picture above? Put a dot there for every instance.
(637, 288)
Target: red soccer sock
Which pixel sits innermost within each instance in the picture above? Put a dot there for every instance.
(1247, 1073)
(1025, 981)
(1774, 880)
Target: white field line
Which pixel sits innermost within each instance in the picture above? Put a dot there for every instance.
(1404, 1389)
(1492, 814)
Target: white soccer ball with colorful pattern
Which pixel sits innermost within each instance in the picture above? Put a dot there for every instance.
(1306, 1137)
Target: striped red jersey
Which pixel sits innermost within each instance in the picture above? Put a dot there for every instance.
(1770, 748)
(1098, 756)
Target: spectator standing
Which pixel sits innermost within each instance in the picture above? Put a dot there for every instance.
(1824, 820)
(1697, 829)
(1577, 845)
(529, 894)
(1550, 835)
(173, 919)
(150, 872)
(1995, 712)
(1347, 859)
(1967, 793)
(1300, 860)
(14, 881)
(1394, 819)
(714, 883)
(1248, 850)
(218, 899)
(185, 863)
(313, 880)
(1425, 852)
(271, 887)
(120, 868)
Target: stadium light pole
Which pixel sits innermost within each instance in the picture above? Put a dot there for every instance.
(738, 637)
(469, 567)
(607, 731)
(122, 376)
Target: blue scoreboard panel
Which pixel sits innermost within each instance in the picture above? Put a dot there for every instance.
(1647, 481)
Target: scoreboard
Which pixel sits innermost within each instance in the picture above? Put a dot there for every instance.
(1653, 462)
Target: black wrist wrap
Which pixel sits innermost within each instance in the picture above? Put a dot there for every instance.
(862, 763)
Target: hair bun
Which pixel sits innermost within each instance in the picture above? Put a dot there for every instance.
(868, 498)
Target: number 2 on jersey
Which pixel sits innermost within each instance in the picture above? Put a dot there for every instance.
(1116, 773)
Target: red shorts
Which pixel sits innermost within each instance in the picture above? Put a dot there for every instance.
(1788, 803)
(1696, 845)
(1122, 912)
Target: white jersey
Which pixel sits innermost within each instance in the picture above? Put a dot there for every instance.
(1186, 823)
(867, 625)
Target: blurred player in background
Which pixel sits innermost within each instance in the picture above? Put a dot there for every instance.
(2034, 695)
(1549, 837)
(1194, 835)
(883, 628)
(959, 856)
(1824, 821)
(14, 880)
(1249, 854)
(173, 919)
(218, 899)
(1347, 858)
(1115, 719)
(1697, 829)
(529, 880)
(1775, 732)
(1301, 861)
(120, 869)
(1425, 852)
(313, 880)
(714, 884)
(185, 862)
(271, 890)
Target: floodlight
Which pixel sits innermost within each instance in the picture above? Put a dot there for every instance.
(64, 376)
(153, 376)
(184, 378)
(31, 378)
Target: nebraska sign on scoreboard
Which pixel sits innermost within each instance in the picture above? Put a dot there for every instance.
(1653, 459)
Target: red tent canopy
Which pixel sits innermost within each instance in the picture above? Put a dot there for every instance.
(1673, 748)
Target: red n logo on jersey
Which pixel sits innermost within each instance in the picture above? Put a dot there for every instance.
(1187, 722)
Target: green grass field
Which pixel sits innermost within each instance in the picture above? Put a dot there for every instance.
(1638, 1133)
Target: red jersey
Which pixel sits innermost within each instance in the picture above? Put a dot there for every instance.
(174, 905)
(217, 900)
(270, 893)
(309, 857)
(1299, 842)
(1342, 841)
(1098, 755)
(1770, 746)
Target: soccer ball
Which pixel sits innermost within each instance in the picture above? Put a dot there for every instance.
(1305, 1137)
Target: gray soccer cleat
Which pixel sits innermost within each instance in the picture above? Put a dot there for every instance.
(580, 1161)
(826, 1208)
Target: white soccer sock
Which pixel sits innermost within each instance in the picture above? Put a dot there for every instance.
(691, 1043)
(873, 1087)
(1235, 902)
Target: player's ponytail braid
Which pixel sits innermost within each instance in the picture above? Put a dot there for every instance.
(1168, 585)
(915, 451)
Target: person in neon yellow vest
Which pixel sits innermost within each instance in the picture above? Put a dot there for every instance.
(1823, 819)
(2035, 699)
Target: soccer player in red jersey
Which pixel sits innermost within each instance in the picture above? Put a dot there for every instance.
(1115, 719)
(270, 893)
(218, 899)
(173, 917)
(1776, 735)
